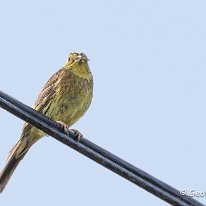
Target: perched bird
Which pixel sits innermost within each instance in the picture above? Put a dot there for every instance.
(65, 98)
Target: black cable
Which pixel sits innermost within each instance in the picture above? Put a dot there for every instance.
(96, 153)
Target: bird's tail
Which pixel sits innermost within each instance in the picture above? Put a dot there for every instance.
(15, 156)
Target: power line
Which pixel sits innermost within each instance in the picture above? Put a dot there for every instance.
(96, 153)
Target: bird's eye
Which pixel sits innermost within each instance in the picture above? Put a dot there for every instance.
(68, 59)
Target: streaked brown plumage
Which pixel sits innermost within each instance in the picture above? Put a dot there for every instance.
(65, 98)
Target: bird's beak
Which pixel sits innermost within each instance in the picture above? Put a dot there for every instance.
(81, 58)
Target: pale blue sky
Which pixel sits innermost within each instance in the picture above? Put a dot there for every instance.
(149, 106)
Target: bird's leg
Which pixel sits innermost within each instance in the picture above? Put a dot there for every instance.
(64, 127)
(77, 134)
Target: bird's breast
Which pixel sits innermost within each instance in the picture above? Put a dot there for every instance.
(73, 98)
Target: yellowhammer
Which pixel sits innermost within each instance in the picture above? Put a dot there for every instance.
(65, 98)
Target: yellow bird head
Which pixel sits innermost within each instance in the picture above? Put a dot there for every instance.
(78, 63)
(77, 58)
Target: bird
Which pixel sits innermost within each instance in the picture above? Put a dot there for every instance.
(65, 98)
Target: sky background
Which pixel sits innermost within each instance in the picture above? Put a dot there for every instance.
(149, 105)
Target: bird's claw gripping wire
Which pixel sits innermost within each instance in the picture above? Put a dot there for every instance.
(77, 134)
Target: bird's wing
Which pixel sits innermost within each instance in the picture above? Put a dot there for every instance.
(44, 98)
(47, 93)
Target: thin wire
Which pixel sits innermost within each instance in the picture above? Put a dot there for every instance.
(96, 153)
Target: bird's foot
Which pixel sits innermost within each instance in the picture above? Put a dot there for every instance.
(64, 127)
(77, 134)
